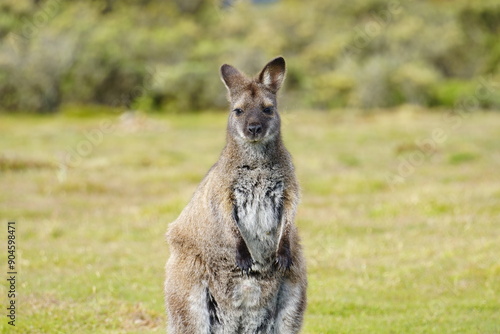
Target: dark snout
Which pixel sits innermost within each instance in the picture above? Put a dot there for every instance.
(256, 126)
(254, 129)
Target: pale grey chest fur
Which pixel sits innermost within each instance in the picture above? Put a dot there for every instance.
(258, 200)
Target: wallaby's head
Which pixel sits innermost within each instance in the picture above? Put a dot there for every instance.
(254, 117)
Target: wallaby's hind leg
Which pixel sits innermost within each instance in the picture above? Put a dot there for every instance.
(187, 299)
(291, 306)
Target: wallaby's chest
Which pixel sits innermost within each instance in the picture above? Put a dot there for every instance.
(258, 200)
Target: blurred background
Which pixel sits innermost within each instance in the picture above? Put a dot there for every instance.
(112, 111)
(164, 56)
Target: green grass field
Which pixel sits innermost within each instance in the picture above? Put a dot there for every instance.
(400, 217)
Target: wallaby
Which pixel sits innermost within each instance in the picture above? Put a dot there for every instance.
(236, 265)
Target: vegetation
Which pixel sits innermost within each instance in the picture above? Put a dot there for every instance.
(164, 55)
(92, 198)
(400, 210)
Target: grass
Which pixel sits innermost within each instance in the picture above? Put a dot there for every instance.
(415, 256)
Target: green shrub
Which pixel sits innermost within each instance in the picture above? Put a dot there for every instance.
(480, 93)
(165, 55)
(447, 93)
(415, 82)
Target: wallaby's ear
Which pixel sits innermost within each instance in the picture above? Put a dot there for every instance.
(231, 77)
(273, 74)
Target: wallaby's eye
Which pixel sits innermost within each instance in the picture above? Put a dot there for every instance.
(238, 111)
(267, 110)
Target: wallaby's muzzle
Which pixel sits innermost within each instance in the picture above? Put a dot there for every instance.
(254, 129)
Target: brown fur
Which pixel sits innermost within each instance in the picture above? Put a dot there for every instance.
(221, 277)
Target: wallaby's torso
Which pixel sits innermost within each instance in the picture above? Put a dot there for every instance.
(236, 265)
(258, 197)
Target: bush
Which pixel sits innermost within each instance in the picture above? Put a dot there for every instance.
(158, 55)
(415, 82)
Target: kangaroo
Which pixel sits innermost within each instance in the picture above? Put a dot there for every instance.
(236, 264)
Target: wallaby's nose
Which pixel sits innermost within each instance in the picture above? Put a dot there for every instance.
(254, 128)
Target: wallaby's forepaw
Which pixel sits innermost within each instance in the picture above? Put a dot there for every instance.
(283, 260)
(244, 262)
